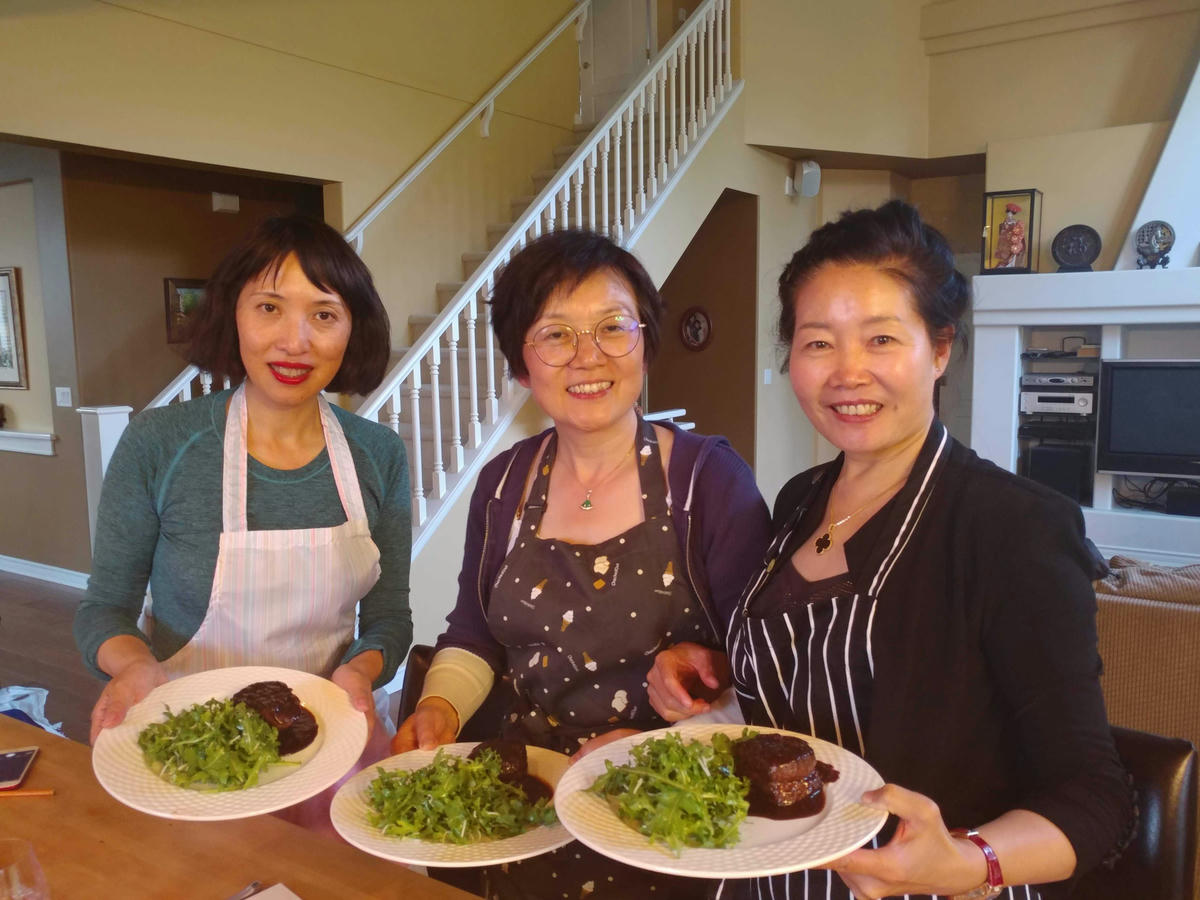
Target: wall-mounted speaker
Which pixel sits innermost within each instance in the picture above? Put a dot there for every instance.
(810, 178)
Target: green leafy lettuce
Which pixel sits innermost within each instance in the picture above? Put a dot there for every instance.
(678, 794)
(453, 800)
(217, 745)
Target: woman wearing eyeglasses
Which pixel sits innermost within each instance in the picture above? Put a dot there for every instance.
(591, 546)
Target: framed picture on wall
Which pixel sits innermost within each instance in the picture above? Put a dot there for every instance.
(695, 328)
(183, 297)
(12, 332)
(1012, 231)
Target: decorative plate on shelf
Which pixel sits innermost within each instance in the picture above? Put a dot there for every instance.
(1075, 248)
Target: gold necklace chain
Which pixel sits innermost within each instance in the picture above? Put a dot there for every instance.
(825, 540)
(587, 504)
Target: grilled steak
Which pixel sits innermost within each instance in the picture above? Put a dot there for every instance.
(783, 776)
(275, 702)
(514, 767)
(768, 758)
(513, 761)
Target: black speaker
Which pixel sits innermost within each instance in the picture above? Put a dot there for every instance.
(1183, 500)
(1062, 467)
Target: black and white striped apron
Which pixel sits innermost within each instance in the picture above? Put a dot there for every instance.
(802, 653)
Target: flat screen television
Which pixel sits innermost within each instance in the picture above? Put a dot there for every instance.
(1148, 421)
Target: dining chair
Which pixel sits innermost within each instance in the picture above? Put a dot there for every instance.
(486, 721)
(1160, 863)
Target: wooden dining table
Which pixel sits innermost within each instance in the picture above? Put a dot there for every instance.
(91, 845)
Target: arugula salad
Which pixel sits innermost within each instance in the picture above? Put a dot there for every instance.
(217, 745)
(453, 800)
(679, 794)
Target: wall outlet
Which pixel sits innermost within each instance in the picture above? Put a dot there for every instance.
(62, 396)
(766, 376)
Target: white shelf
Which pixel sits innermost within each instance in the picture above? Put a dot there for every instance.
(1118, 304)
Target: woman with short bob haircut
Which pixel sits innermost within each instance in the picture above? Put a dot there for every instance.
(328, 262)
(272, 527)
(589, 546)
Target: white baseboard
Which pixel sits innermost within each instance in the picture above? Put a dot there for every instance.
(43, 572)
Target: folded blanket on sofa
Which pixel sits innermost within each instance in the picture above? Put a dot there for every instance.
(1134, 578)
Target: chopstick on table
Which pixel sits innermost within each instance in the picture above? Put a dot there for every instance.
(28, 792)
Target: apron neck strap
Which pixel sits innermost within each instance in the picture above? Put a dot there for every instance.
(235, 470)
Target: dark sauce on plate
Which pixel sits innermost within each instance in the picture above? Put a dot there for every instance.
(535, 788)
(762, 805)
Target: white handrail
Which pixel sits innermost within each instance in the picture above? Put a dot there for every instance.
(355, 232)
(627, 146)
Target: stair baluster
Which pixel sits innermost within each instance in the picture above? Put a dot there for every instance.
(476, 432)
(457, 459)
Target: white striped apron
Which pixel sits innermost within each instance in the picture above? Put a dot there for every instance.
(289, 597)
(795, 668)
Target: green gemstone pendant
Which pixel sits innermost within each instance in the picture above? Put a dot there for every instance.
(587, 502)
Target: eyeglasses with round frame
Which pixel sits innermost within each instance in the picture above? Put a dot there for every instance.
(614, 336)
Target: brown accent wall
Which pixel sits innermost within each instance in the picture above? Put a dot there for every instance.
(129, 225)
(718, 271)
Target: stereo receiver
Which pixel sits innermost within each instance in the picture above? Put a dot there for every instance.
(1054, 401)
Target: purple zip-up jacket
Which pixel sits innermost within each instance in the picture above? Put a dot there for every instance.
(720, 519)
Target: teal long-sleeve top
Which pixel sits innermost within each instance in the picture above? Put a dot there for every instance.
(159, 524)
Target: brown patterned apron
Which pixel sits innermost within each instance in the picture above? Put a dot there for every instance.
(581, 625)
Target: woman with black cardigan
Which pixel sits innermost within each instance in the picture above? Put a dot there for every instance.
(918, 605)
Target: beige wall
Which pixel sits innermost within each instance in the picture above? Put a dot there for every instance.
(847, 189)
(43, 497)
(350, 93)
(129, 226)
(718, 271)
(836, 76)
(1096, 178)
(30, 408)
(1022, 83)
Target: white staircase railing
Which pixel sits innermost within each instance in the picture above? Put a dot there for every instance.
(612, 183)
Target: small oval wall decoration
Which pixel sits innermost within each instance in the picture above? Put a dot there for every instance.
(695, 328)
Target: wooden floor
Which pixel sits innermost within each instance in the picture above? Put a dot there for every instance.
(37, 649)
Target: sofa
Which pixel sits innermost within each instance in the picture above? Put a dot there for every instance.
(1148, 619)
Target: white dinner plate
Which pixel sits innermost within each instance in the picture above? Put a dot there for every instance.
(349, 816)
(765, 846)
(121, 770)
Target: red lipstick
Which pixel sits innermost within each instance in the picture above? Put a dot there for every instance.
(289, 379)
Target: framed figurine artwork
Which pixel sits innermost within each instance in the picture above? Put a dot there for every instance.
(1012, 232)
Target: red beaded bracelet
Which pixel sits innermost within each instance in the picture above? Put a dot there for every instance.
(995, 878)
